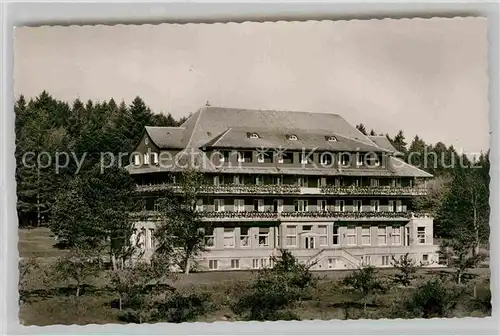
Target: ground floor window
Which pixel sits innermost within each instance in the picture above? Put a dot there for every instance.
(263, 262)
(425, 258)
(421, 234)
(213, 264)
(263, 237)
(382, 235)
(235, 263)
(365, 235)
(291, 236)
(209, 237)
(385, 260)
(244, 237)
(366, 260)
(351, 235)
(336, 235)
(228, 237)
(255, 263)
(332, 262)
(323, 235)
(396, 236)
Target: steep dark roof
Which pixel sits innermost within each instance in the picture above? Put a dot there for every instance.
(382, 142)
(167, 137)
(238, 137)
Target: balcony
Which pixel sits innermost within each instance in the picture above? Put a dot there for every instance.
(270, 189)
(369, 191)
(309, 216)
(289, 189)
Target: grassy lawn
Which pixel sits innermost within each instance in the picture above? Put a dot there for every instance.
(96, 304)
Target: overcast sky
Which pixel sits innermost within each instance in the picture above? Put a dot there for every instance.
(426, 77)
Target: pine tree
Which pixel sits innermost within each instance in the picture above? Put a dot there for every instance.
(399, 143)
(362, 129)
(416, 153)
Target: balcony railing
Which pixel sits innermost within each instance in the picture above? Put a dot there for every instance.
(272, 189)
(311, 215)
(385, 190)
(228, 188)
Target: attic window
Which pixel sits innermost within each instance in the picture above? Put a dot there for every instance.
(253, 136)
(331, 138)
(292, 137)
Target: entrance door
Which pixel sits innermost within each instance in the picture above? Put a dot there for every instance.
(310, 242)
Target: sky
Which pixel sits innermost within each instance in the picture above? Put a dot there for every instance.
(423, 76)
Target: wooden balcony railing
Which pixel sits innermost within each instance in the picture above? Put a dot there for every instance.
(385, 190)
(289, 189)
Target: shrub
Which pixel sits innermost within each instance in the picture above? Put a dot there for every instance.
(364, 283)
(407, 267)
(433, 298)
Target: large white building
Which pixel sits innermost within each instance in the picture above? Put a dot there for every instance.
(307, 182)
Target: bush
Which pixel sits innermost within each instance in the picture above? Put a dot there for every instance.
(433, 298)
(183, 307)
(275, 291)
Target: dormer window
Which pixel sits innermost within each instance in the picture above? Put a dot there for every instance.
(331, 138)
(253, 136)
(292, 137)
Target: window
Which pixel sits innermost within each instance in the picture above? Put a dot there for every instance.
(142, 238)
(137, 160)
(326, 159)
(368, 260)
(258, 205)
(240, 157)
(396, 182)
(292, 137)
(244, 237)
(218, 180)
(336, 235)
(155, 157)
(306, 228)
(323, 235)
(303, 158)
(209, 237)
(425, 258)
(218, 204)
(421, 234)
(263, 262)
(302, 181)
(345, 160)
(322, 205)
(253, 136)
(213, 265)
(259, 180)
(385, 260)
(365, 235)
(373, 159)
(264, 157)
(374, 182)
(228, 237)
(381, 235)
(399, 206)
(286, 157)
(255, 263)
(152, 241)
(263, 237)
(332, 262)
(331, 138)
(199, 205)
(396, 236)
(156, 205)
(360, 159)
(301, 205)
(322, 182)
(340, 205)
(146, 159)
(278, 205)
(375, 205)
(351, 235)
(235, 263)
(239, 205)
(357, 206)
(392, 208)
(291, 236)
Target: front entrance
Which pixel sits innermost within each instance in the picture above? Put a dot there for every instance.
(310, 242)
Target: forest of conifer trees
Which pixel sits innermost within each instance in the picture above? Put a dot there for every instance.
(45, 124)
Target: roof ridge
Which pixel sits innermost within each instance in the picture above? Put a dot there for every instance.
(200, 112)
(271, 110)
(221, 136)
